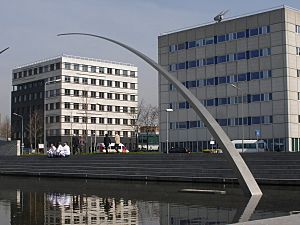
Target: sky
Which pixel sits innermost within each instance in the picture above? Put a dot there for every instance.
(30, 28)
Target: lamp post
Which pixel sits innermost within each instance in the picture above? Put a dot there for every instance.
(168, 110)
(22, 130)
(45, 94)
(243, 134)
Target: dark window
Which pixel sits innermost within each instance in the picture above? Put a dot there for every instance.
(41, 69)
(51, 67)
(253, 31)
(181, 46)
(192, 44)
(254, 75)
(180, 66)
(57, 66)
(242, 77)
(254, 53)
(76, 105)
(241, 34)
(57, 105)
(35, 70)
(222, 80)
(241, 55)
(109, 70)
(93, 81)
(256, 98)
(210, 61)
(210, 102)
(221, 59)
(210, 81)
(192, 64)
(221, 38)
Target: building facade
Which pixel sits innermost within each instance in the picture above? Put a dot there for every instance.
(84, 97)
(244, 70)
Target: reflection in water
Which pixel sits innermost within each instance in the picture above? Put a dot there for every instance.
(80, 209)
(31, 201)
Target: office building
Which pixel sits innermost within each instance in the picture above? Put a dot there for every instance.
(244, 70)
(84, 97)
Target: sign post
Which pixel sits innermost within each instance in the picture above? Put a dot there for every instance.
(257, 134)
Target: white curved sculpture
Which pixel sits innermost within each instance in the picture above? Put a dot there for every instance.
(244, 175)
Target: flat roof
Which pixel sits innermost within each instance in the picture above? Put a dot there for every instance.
(73, 57)
(229, 18)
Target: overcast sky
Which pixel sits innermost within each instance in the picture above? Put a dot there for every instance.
(29, 28)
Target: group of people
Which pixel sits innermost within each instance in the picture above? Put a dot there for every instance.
(60, 151)
(107, 142)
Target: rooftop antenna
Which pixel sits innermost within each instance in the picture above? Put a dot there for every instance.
(218, 18)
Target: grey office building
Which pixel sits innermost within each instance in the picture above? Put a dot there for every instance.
(244, 70)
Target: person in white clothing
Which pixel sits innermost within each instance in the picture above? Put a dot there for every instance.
(52, 151)
(67, 151)
(60, 151)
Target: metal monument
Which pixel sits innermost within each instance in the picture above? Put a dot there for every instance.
(244, 175)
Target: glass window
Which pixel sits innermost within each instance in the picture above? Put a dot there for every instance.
(173, 48)
(210, 81)
(210, 102)
(180, 66)
(241, 55)
(253, 31)
(222, 38)
(255, 120)
(221, 59)
(192, 64)
(209, 41)
(255, 98)
(254, 53)
(210, 61)
(76, 79)
(93, 69)
(241, 34)
(85, 68)
(242, 77)
(181, 46)
(254, 75)
(76, 66)
(192, 44)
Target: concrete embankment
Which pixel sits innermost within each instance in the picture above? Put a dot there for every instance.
(267, 168)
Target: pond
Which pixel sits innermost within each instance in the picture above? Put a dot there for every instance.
(28, 201)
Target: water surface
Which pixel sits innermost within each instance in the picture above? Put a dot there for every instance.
(52, 201)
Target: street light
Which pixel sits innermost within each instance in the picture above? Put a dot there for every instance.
(168, 110)
(45, 130)
(243, 134)
(22, 130)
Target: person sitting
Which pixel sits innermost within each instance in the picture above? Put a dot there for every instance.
(60, 150)
(52, 151)
(66, 150)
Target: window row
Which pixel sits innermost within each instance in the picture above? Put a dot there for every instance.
(97, 69)
(90, 120)
(223, 122)
(100, 82)
(225, 101)
(28, 97)
(100, 95)
(226, 79)
(220, 38)
(37, 70)
(221, 59)
(92, 107)
(58, 132)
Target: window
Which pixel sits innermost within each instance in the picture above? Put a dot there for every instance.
(132, 97)
(298, 73)
(101, 69)
(221, 59)
(93, 94)
(124, 84)
(210, 61)
(254, 32)
(57, 65)
(67, 119)
(117, 108)
(254, 75)
(85, 68)
(117, 84)
(125, 72)
(109, 95)
(57, 105)
(84, 119)
(93, 81)
(221, 38)
(132, 73)
(76, 105)
(67, 105)
(67, 91)
(297, 29)
(109, 83)
(125, 97)
(84, 80)
(241, 34)
(85, 93)
(41, 69)
(84, 106)
(67, 131)
(109, 70)
(101, 94)
(117, 121)
(109, 120)
(298, 50)
(132, 110)
(109, 108)
(173, 48)
(241, 55)
(76, 132)
(93, 120)
(132, 86)
(125, 109)
(254, 53)
(125, 121)
(101, 120)
(76, 79)
(101, 82)
(93, 107)
(76, 92)
(265, 52)
(76, 119)
(76, 67)
(67, 79)
(57, 119)
(209, 41)
(93, 69)
(51, 67)
(101, 107)
(117, 72)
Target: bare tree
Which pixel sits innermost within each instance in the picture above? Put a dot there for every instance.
(136, 120)
(149, 119)
(35, 127)
(5, 128)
